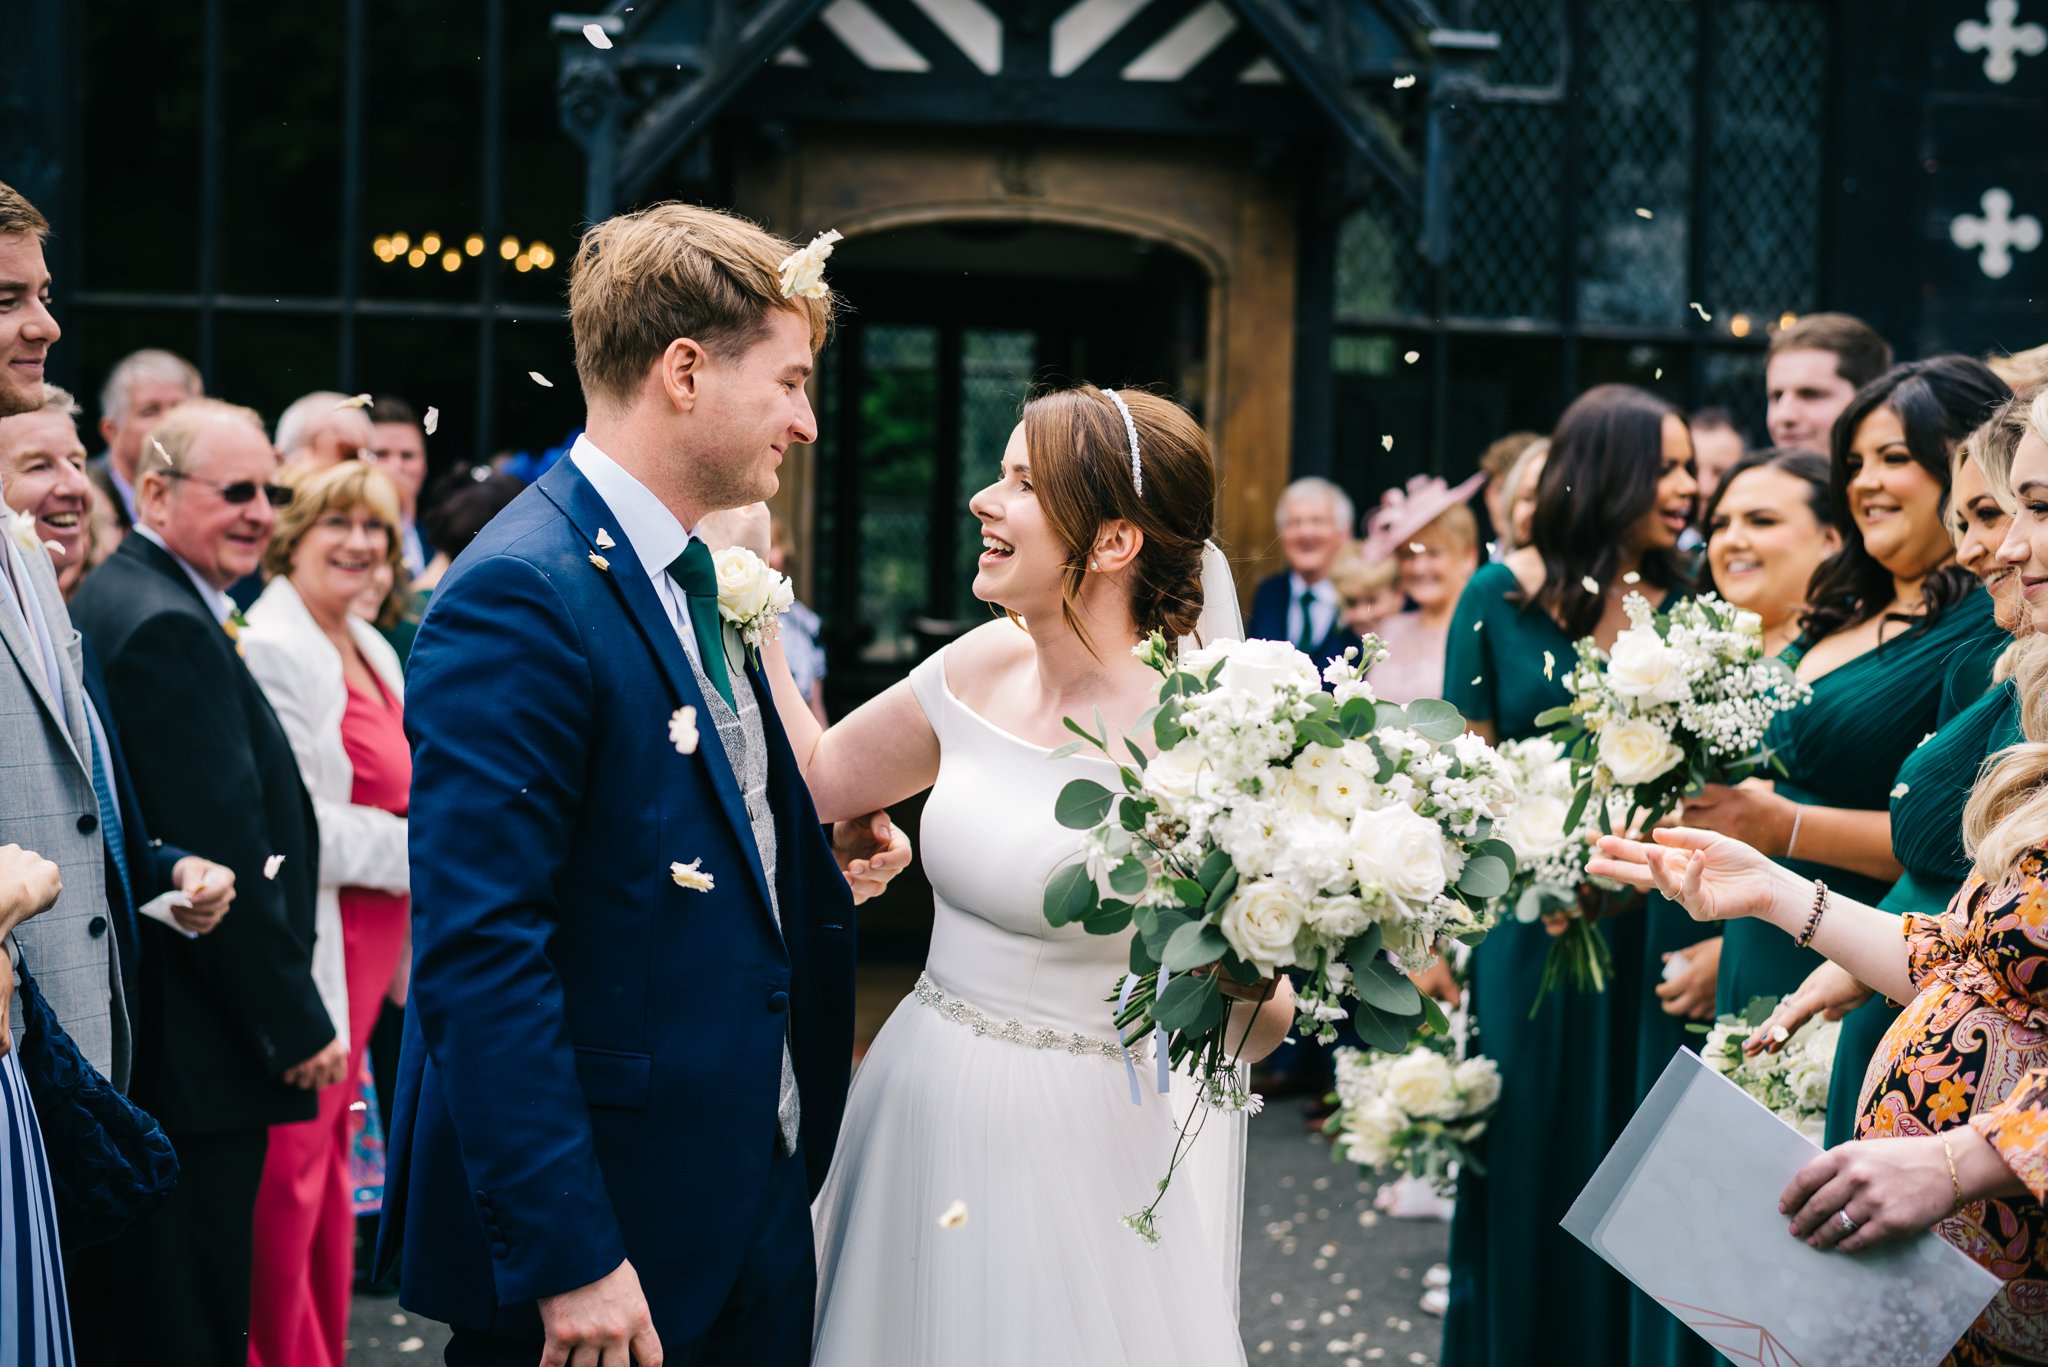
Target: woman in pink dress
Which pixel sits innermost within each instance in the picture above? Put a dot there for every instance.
(1429, 531)
(335, 685)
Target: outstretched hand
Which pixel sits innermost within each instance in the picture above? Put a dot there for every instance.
(871, 851)
(1830, 991)
(746, 527)
(1714, 877)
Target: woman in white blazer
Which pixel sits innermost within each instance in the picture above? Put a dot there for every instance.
(336, 687)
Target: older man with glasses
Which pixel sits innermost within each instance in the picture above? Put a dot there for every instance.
(233, 1037)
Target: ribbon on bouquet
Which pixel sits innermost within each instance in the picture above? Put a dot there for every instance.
(1131, 981)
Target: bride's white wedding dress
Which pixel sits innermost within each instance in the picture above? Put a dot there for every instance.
(998, 1084)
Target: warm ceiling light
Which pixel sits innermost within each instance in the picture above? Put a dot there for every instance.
(509, 248)
(415, 258)
(382, 246)
(1787, 318)
(399, 243)
(451, 260)
(1739, 325)
(430, 243)
(522, 263)
(473, 245)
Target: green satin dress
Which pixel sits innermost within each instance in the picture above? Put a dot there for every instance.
(1567, 1077)
(1927, 836)
(1843, 748)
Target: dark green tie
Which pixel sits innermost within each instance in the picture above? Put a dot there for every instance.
(693, 573)
(1309, 640)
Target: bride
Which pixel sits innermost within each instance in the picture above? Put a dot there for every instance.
(991, 1144)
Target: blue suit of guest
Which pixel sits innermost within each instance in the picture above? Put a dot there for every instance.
(593, 1051)
(1277, 612)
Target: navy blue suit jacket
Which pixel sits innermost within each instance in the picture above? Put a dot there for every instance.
(1269, 621)
(592, 1052)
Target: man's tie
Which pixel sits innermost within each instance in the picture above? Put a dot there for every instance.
(110, 821)
(694, 574)
(1309, 640)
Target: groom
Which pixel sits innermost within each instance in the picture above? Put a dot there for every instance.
(632, 993)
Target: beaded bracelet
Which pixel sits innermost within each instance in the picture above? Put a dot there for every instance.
(1820, 904)
(1955, 1183)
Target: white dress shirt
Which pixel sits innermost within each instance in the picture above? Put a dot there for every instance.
(1322, 609)
(656, 535)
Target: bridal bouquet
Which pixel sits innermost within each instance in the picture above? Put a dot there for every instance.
(1279, 826)
(1417, 1113)
(1553, 863)
(1792, 1080)
(1681, 700)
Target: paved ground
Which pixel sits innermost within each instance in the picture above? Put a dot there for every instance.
(1326, 1278)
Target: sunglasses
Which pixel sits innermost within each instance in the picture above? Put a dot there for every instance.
(241, 490)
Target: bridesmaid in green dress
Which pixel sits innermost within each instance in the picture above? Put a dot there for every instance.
(1767, 530)
(1889, 612)
(1615, 495)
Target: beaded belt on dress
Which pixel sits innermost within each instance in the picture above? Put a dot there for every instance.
(1015, 1031)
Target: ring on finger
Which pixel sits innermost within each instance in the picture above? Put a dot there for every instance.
(1846, 1221)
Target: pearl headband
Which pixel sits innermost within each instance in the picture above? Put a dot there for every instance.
(1130, 431)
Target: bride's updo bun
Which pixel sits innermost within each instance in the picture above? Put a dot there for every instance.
(1080, 453)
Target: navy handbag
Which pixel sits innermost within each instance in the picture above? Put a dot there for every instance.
(110, 1163)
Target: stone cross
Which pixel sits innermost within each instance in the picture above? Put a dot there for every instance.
(2002, 41)
(1996, 235)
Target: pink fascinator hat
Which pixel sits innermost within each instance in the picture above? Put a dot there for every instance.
(1407, 510)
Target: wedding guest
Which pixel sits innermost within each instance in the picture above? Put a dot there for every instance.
(1368, 591)
(1299, 605)
(334, 683)
(141, 388)
(460, 505)
(2021, 369)
(1718, 446)
(800, 628)
(36, 1331)
(1428, 531)
(238, 1037)
(1615, 494)
(1769, 526)
(399, 445)
(1955, 1104)
(1496, 462)
(1521, 494)
(1811, 371)
(322, 429)
(1888, 613)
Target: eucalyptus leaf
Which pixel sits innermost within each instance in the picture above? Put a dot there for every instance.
(1212, 870)
(1107, 921)
(1128, 878)
(1082, 804)
(1180, 1007)
(1434, 719)
(1552, 716)
(1486, 877)
(1220, 894)
(1387, 1032)
(1433, 1016)
(1578, 807)
(1069, 895)
(1386, 987)
(1067, 751)
(1193, 945)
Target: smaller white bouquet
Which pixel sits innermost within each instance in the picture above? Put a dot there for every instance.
(1552, 869)
(1790, 1078)
(1417, 1113)
(1681, 700)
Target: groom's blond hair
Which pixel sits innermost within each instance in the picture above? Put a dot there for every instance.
(644, 279)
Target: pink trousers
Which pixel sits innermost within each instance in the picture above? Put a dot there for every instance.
(305, 1223)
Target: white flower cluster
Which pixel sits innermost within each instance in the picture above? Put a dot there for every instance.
(1327, 840)
(1417, 1112)
(750, 595)
(1684, 695)
(1552, 860)
(1791, 1080)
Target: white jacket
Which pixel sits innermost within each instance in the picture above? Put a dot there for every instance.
(360, 847)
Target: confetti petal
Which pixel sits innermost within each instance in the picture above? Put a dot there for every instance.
(1387, 443)
(272, 865)
(431, 421)
(1644, 213)
(1403, 82)
(1549, 664)
(682, 730)
(161, 452)
(1411, 357)
(1899, 791)
(691, 877)
(1631, 578)
(600, 561)
(599, 39)
(604, 540)
(359, 401)
(1590, 585)
(953, 1216)
(1705, 317)
(543, 381)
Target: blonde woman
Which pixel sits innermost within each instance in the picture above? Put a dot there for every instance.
(335, 685)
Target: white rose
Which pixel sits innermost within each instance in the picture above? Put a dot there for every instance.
(1643, 668)
(1637, 751)
(1337, 919)
(803, 272)
(744, 588)
(1421, 1083)
(1478, 1081)
(1255, 667)
(1369, 1140)
(1174, 775)
(1260, 922)
(1749, 623)
(1393, 848)
(1535, 828)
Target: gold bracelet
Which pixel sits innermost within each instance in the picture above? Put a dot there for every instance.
(1955, 1184)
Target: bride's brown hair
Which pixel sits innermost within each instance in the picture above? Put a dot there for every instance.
(1080, 458)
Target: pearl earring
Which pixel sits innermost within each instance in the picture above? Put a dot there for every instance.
(1093, 565)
